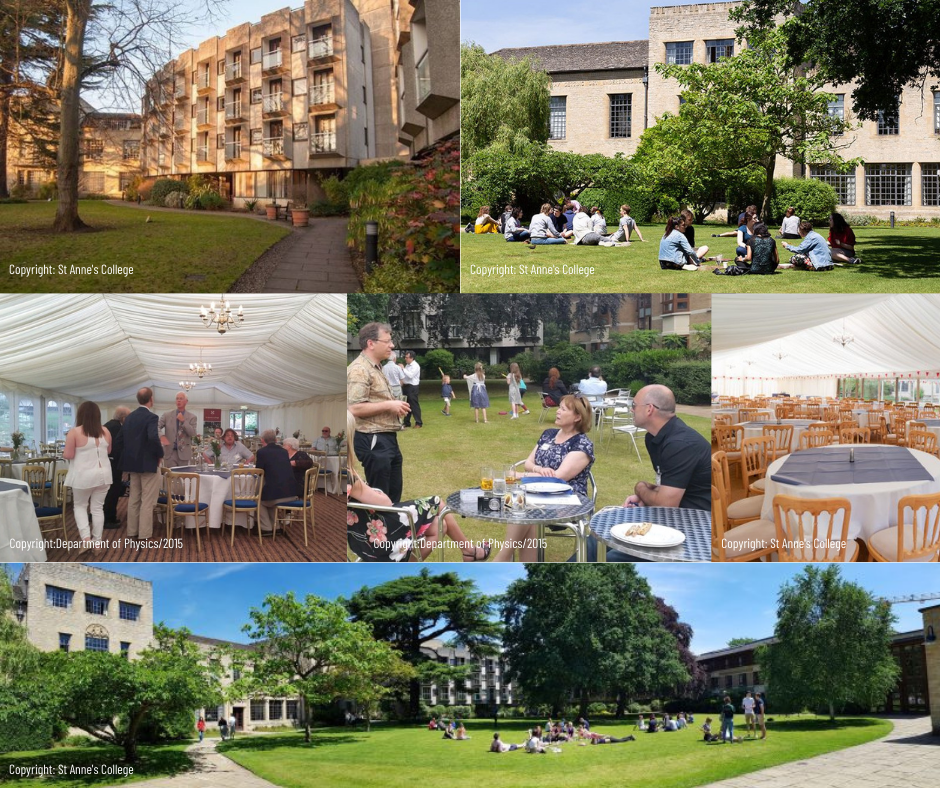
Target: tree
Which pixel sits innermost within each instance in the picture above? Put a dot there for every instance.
(683, 632)
(744, 111)
(610, 641)
(111, 697)
(735, 642)
(833, 644)
(365, 308)
(411, 610)
(879, 45)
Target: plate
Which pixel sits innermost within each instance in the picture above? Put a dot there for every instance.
(658, 536)
(547, 488)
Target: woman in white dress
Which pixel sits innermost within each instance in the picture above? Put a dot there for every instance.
(87, 446)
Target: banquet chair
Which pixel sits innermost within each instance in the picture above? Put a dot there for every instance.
(922, 440)
(734, 549)
(782, 435)
(720, 420)
(55, 514)
(756, 455)
(247, 484)
(886, 435)
(916, 537)
(820, 425)
(621, 421)
(763, 415)
(813, 439)
(747, 414)
(400, 511)
(803, 523)
(874, 425)
(35, 477)
(900, 429)
(738, 512)
(301, 510)
(854, 435)
(49, 464)
(159, 508)
(6, 468)
(183, 501)
(728, 439)
(325, 474)
(546, 398)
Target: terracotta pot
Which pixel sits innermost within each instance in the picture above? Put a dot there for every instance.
(271, 211)
(300, 216)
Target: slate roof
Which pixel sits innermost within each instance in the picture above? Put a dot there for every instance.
(608, 56)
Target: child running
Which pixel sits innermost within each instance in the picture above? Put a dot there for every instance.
(447, 392)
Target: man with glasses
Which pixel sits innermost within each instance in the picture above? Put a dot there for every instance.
(325, 443)
(378, 413)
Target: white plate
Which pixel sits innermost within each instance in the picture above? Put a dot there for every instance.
(658, 536)
(547, 487)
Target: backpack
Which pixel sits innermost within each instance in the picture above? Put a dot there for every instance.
(469, 228)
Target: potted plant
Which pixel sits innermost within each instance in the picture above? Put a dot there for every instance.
(300, 213)
(271, 210)
(18, 439)
(250, 205)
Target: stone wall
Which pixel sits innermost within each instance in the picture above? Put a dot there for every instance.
(932, 654)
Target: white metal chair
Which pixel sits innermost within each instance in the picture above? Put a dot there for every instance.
(621, 421)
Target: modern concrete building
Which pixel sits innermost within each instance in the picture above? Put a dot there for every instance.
(486, 682)
(604, 95)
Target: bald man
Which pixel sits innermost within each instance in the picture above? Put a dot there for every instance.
(116, 490)
(178, 427)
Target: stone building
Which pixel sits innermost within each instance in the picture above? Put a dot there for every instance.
(932, 660)
(604, 95)
(485, 684)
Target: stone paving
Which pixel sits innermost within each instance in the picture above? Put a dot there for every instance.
(909, 756)
(313, 259)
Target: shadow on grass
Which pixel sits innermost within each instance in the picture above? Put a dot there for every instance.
(819, 725)
(156, 761)
(900, 257)
(266, 742)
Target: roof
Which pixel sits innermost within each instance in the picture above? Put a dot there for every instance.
(724, 652)
(217, 642)
(929, 607)
(607, 56)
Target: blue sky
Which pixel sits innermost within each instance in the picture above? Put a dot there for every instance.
(720, 601)
(531, 23)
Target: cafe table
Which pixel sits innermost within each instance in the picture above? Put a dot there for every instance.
(19, 526)
(696, 524)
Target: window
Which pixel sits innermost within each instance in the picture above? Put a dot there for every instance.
(718, 48)
(557, 116)
(297, 43)
(220, 140)
(131, 149)
(714, 682)
(621, 112)
(275, 709)
(212, 714)
(236, 674)
(837, 108)
(96, 643)
(96, 605)
(412, 325)
(675, 302)
(257, 710)
(128, 611)
(255, 55)
(887, 184)
(220, 103)
(364, 99)
(300, 131)
(64, 640)
(256, 136)
(756, 677)
(59, 597)
(256, 95)
(300, 87)
(292, 710)
(930, 184)
(742, 680)
(936, 112)
(91, 182)
(365, 133)
(93, 149)
(125, 649)
(221, 67)
(729, 681)
(843, 183)
(679, 52)
(889, 121)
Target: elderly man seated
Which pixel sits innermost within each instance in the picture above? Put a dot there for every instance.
(325, 444)
(279, 484)
(594, 387)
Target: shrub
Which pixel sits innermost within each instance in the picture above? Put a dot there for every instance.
(596, 709)
(12, 201)
(27, 719)
(813, 199)
(635, 386)
(627, 368)
(634, 708)
(642, 205)
(532, 367)
(438, 358)
(212, 201)
(573, 361)
(337, 192)
(656, 705)
(498, 371)
(19, 191)
(690, 381)
(164, 186)
(459, 712)
(132, 189)
(49, 189)
(438, 711)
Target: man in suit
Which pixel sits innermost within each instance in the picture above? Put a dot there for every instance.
(178, 428)
(117, 483)
(142, 455)
(278, 478)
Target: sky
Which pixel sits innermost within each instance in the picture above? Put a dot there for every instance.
(531, 23)
(720, 601)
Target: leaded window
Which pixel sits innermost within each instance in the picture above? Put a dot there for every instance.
(843, 183)
(621, 114)
(679, 52)
(557, 117)
(887, 184)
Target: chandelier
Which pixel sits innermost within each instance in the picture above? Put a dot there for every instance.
(187, 385)
(199, 369)
(843, 338)
(779, 354)
(222, 318)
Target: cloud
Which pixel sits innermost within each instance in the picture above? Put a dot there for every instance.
(223, 570)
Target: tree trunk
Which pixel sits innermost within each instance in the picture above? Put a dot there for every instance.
(5, 80)
(832, 712)
(768, 189)
(307, 713)
(66, 218)
(621, 704)
(414, 697)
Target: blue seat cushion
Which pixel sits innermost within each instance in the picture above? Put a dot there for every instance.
(298, 504)
(48, 511)
(184, 508)
(240, 504)
(48, 485)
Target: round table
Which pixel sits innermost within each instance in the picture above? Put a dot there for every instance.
(19, 465)
(733, 412)
(874, 504)
(755, 429)
(696, 524)
(540, 516)
(215, 487)
(331, 481)
(20, 536)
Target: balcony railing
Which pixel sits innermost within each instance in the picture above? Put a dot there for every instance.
(272, 102)
(202, 116)
(163, 160)
(423, 68)
(233, 150)
(324, 142)
(233, 71)
(179, 92)
(233, 109)
(202, 153)
(272, 146)
(271, 60)
(322, 94)
(320, 47)
(202, 81)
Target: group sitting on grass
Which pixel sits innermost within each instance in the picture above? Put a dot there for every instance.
(537, 739)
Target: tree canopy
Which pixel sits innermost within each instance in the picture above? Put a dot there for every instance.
(833, 644)
(735, 642)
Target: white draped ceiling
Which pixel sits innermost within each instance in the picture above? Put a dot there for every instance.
(290, 348)
(895, 336)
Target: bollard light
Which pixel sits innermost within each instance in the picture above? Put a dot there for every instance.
(892, 220)
(372, 245)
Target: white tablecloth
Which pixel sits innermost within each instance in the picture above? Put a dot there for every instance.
(874, 506)
(934, 430)
(733, 412)
(798, 429)
(215, 490)
(331, 464)
(18, 467)
(18, 523)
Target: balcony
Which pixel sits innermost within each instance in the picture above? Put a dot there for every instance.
(322, 94)
(181, 126)
(202, 118)
(320, 47)
(233, 150)
(272, 61)
(163, 160)
(203, 83)
(234, 73)
(233, 111)
(202, 153)
(323, 142)
(423, 69)
(274, 104)
(179, 92)
(433, 99)
(273, 148)
(163, 132)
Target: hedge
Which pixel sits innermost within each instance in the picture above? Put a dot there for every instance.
(164, 186)
(690, 381)
(26, 722)
(812, 199)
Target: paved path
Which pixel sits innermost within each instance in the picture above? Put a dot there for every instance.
(909, 756)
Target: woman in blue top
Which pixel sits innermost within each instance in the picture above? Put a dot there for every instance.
(565, 453)
(675, 251)
(745, 233)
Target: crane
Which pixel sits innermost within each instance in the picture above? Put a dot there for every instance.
(909, 598)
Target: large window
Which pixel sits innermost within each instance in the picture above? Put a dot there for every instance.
(292, 713)
(212, 713)
(718, 48)
(52, 421)
(92, 182)
(96, 605)
(557, 117)
(59, 597)
(125, 649)
(411, 325)
(679, 52)
(936, 112)
(26, 419)
(96, 643)
(275, 709)
(621, 114)
(843, 183)
(837, 108)
(257, 711)
(6, 421)
(129, 611)
(929, 186)
(887, 184)
(889, 121)
(675, 302)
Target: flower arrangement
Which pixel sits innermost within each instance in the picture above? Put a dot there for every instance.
(340, 436)
(197, 440)
(18, 439)
(217, 451)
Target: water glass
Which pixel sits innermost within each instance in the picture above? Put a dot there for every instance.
(499, 482)
(517, 502)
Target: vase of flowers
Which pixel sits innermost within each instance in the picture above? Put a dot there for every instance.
(217, 452)
(18, 439)
(341, 441)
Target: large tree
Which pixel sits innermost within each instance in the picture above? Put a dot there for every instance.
(412, 610)
(881, 46)
(683, 632)
(833, 644)
(586, 632)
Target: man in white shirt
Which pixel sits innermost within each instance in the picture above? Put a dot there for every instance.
(593, 387)
(394, 374)
(748, 705)
(411, 378)
(325, 444)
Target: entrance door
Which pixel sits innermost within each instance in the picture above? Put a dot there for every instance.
(239, 713)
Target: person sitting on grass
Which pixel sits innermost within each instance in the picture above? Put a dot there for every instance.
(762, 254)
(513, 229)
(504, 217)
(707, 730)
(598, 222)
(461, 733)
(790, 226)
(653, 726)
(680, 721)
(500, 746)
(542, 230)
(669, 724)
(813, 253)
(534, 742)
(627, 226)
(569, 214)
(560, 223)
(584, 234)
(745, 233)
(842, 240)
(485, 223)
(689, 231)
(449, 733)
(432, 725)
(675, 252)
(641, 724)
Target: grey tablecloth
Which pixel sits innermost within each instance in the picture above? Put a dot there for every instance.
(872, 464)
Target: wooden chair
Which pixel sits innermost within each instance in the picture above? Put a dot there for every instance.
(747, 414)
(54, 515)
(247, 484)
(900, 429)
(35, 477)
(49, 464)
(738, 512)
(887, 436)
(183, 501)
(915, 537)
(922, 440)
(819, 425)
(763, 415)
(737, 546)
(875, 420)
(854, 435)
(720, 420)
(756, 455)
(812, 439)
(728, 440)
(783, 438)
(301, 510)
(6, 467)
(802, 524)
(159, 508)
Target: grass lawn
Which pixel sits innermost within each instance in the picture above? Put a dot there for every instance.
(397, 756)
(447, 454)
(166, 254)
(903, 260)
(155, 761)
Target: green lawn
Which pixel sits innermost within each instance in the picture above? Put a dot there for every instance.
(173, 253)
(156, 761)
(397, 757)
(903, 260)
(448, 452)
